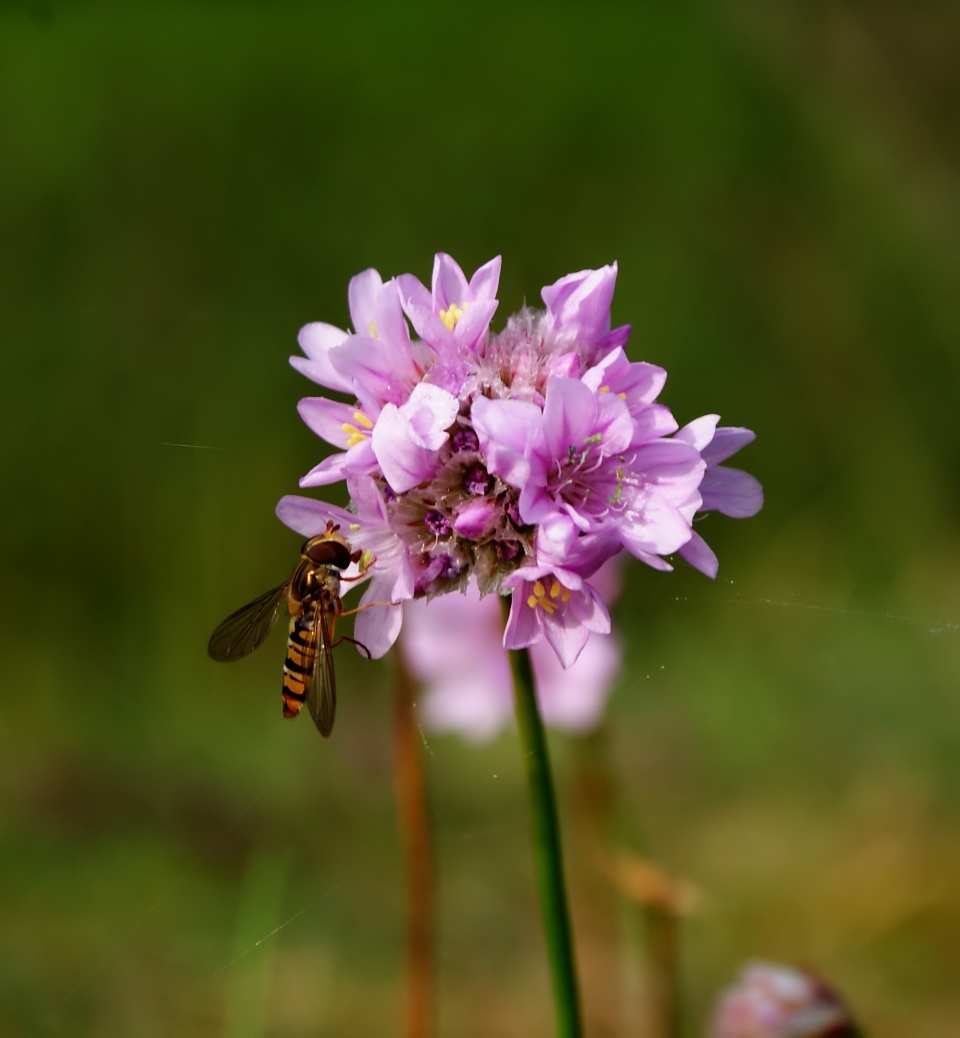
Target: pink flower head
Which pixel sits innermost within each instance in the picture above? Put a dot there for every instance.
(771, 1001)
(521, 460)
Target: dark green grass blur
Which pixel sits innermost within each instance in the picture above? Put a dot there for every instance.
(181, 188)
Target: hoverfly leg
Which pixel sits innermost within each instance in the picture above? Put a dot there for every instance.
(353, 641)
(365, 564)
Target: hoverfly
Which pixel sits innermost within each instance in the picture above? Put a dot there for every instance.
(313, 600)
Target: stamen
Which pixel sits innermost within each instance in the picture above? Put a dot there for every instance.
(539, 598)
(596, 438)
(355, 435)
(452, 314)
(556, 589)
(373, 329)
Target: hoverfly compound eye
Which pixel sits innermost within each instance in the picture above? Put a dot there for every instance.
(326, 551)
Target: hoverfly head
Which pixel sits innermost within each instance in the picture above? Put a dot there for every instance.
(328, 549)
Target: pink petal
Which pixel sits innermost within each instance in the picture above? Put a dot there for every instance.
(449, 283)
(523, 626)
(700, 555)
(726, 442)
(430, 412)
(413, 292)
(486, 280)
(569, 415)
(510, 434)
(659, 529)
(359, 459)
(327, 417)
(316, 340)
(699, 432)
(474, 322)
(565, 636)
(377, 365)
(308, 516)
(403, 461)
(429, 327)
(574, 698)
(378, 627)
(732, 492)
(579, 304)
(362, 295)
(388, 320)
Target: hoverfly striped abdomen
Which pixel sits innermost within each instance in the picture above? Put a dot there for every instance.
(301, 659)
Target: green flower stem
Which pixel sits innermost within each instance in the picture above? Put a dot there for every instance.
(546, 839)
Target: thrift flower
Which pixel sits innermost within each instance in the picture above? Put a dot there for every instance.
(519, 461)
(771, 1001)
(454, 647)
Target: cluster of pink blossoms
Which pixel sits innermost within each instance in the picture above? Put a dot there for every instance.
(523, 459)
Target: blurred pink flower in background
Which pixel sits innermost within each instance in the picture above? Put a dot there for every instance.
(454, 646)
(770, 1001)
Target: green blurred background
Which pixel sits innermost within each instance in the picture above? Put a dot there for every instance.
(182, 186)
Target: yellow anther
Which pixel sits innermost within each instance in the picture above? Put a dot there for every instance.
(355, 435)
(451, 315)
(354, 527)
(623, 396)
(373, 329)
(539, 597)
(604, 389)
(566, 595)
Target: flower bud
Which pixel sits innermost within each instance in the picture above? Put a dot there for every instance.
(476, 518)
(770, 1001)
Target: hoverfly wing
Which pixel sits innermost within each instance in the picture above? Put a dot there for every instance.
(322, 690)
(245, 630)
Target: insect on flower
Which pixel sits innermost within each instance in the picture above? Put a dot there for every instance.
(313, 600)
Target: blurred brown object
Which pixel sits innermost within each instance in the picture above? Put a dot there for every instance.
(414, 819)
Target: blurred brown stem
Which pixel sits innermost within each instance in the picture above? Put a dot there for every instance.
(663, 954)
(659, 899)
(415, 834)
